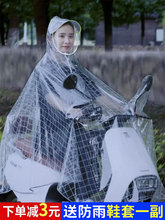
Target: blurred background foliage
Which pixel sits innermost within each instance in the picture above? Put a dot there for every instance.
(88, 12)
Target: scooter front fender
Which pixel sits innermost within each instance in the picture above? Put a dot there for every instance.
(128, 159)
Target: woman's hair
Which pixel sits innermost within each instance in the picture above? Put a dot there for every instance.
(64, 25)
(69, 24)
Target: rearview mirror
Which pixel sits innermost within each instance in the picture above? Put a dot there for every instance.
(70, 82)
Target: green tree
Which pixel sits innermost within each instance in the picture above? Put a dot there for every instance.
(42, 10)
(3, 21)
(13, 13)
(163, 23)
(86, 12)
(147, 8)
(107, 6)
(41, 17)
(131, 11)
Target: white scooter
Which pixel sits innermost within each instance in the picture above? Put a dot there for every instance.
(128, 172)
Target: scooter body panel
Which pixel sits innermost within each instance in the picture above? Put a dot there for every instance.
(128, 158)
(36, 180)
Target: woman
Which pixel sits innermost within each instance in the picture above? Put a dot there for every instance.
(55, 120)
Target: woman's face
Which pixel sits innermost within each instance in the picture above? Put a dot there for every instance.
(64, 38)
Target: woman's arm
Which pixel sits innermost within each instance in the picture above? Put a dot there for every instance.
(56, 102)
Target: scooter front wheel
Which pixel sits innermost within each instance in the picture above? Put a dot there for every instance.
(8, 197)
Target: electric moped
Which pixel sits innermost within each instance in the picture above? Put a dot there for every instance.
(126, 170)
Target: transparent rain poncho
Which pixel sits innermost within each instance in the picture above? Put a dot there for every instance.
(60, 121)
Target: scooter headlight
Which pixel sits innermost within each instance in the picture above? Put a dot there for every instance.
(146, 182)
(141, 189)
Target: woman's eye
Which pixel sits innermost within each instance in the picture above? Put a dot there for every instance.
(62, 36)
(71, 37)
